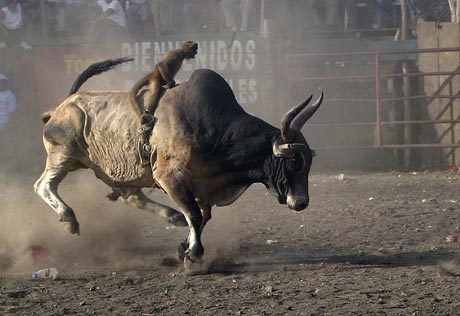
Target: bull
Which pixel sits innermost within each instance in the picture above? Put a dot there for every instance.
(206, 151)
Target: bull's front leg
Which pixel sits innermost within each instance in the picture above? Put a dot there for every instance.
(183, 246)
(177, 185)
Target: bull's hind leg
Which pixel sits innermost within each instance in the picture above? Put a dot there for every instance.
(57, 167)
(141, 201)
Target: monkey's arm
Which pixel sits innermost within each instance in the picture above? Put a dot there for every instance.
(133, 93)
(166, 74)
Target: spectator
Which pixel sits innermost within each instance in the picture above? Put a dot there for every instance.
(12, 20)
(246, 8)
(30, 13)
(75, 15)
(228, 10)
(7, 102)
(379, 5)
(191, 13)
(454, 11)
(139, 17)
(55, 17)
(112, 22)
(155, 6)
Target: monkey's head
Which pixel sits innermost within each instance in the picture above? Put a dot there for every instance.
(190, 48)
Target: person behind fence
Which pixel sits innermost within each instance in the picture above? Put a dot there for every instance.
(11, 19)
(75, 14)
(7, 102)
(55, 17)
(139, 17)
(245, 8)
(155, 7)
(111, 23)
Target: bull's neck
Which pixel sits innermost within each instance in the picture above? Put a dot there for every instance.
(258, 172)
(250, 143)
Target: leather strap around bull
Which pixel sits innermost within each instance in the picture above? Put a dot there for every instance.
(144, 147)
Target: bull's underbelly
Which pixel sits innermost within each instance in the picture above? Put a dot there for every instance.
(227, 196)
(217, 195)
(114, 154)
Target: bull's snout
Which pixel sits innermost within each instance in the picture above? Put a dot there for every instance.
(297, 203)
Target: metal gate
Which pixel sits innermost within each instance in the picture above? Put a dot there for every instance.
(380, 63)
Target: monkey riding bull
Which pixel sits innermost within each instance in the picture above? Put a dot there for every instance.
(207, 152)
(161, 76)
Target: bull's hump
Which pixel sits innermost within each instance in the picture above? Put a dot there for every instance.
(207, 77)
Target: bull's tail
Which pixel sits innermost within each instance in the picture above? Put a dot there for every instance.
(96, 69)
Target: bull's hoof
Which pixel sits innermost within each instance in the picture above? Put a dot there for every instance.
(178, 220)
(181, 249)
(193, 265)
(73, 227)
(113, 196)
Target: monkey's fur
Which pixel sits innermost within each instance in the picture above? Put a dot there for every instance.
(162, 75)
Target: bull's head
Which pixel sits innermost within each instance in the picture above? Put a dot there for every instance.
(292, 158)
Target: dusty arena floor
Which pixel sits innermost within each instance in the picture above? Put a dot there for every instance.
(369, 244)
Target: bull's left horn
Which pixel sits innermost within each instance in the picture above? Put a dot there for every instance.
(289, 116)
(299, 121)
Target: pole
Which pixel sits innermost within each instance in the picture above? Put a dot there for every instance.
(378, 120)
(262, 17)
(457, 12)
(408, 137)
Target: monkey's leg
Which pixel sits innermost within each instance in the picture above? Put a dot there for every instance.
(151, 101)
(155, 94)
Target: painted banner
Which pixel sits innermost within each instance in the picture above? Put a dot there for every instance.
(245, 64)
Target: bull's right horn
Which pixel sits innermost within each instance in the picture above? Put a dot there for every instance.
(286, 133)
(299, 121)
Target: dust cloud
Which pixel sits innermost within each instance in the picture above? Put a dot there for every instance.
(113, 236)
(31, 235)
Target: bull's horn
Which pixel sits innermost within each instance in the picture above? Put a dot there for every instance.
(289, 116)
(305, 115)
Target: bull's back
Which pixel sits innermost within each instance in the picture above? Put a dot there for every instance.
(201, 118)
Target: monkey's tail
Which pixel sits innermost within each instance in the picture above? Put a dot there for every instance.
(96, 69)
(134, 91)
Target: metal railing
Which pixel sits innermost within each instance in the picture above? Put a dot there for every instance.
(377, 58)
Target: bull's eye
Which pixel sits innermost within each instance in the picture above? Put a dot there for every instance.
(296, 163)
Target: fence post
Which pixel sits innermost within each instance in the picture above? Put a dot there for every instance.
(408, 137)
(378, 133)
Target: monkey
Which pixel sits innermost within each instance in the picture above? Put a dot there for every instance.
(162, 74)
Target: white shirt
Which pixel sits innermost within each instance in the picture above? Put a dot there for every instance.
(118, 16)
(77, 2)
(12, 20)
(7, 106)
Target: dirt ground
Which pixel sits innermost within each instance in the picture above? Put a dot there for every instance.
(369, 244)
